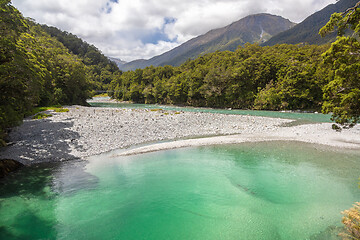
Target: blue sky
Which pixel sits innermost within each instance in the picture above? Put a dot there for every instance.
(158, 34)
(135, 29)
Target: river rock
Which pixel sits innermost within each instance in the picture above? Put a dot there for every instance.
(7, 166)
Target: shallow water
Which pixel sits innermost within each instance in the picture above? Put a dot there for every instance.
(302, 118)
(271, 190)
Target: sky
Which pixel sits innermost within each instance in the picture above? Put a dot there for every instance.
(141, 29)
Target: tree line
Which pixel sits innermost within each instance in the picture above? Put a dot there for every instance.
(282, 77)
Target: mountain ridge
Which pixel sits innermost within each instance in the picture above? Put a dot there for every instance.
(253, 28)
(117, 61)
(308, 30)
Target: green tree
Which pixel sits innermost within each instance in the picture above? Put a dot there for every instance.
(101, 71)
(273, 78)
(35, 69)
(342, 94)
(18, 75)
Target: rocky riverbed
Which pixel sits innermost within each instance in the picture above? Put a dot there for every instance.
(86, 131)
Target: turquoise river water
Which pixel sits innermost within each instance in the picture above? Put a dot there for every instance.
(269, 190)
(300, 117)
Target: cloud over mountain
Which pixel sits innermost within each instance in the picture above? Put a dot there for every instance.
(144, 28)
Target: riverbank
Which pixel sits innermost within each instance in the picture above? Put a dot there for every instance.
(85, 131)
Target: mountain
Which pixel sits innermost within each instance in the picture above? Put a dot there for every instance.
(308, 30)
(251, 29)
(117, 61)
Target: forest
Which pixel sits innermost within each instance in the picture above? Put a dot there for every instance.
(282, 77)
(44, 66)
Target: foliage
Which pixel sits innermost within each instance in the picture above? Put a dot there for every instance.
(36, 110)
(342, 94)
(15, 95)
(101, 71)
(42, 109)
(101, 95)
(351, 220)
(59, 110)
(42, 116)
(35, 69)
(253, 77)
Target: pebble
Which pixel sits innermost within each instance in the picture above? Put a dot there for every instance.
(85, 131)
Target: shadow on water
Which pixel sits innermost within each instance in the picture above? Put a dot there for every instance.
(42, 141)
(296, 122)
(72, 177)
(29, 196)
(39, 228)
(28, 181)
(47, 180)
(330, 233)
(19, 191)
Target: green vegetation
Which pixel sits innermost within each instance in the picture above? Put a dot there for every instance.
(101, 95)
(38, 111)
(59, 110)
(100, 70)
(42, 116)
(274, 78)
(43, 66)
(281, 77)
(342, 93)
(35, 70)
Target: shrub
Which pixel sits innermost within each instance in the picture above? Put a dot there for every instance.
(41, 116)
(351, 220)
(61, 110)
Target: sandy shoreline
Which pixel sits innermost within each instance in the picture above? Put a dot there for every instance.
(85, 131)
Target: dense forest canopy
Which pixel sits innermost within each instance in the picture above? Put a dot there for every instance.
(38, 70)
(253, 77)
(101, 69)
(342, 93)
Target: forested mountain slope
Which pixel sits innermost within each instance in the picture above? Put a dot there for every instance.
(101, 68)
(38, 70)
(308, 30)
(252, 29)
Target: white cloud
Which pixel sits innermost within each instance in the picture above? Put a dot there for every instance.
(144, 28)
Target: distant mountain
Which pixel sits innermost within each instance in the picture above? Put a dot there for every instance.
(251, 29)
(118, 61)
(308, 30)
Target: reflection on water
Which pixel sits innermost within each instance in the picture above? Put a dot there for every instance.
(271, 190)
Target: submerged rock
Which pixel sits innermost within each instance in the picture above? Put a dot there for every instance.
(7, 166)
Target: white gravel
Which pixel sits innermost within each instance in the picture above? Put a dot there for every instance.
(85, 131)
